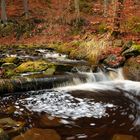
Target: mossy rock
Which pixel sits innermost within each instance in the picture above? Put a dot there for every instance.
(33, 66)
(8, 66)
(9, 73)
(133, 50)
(11, 126)
(131, 69)
(114, 61)
(50, 71)
(14, 60)
(3, 135)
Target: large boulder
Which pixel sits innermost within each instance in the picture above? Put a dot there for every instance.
(35, 66)
(131, 69)
(39, 134)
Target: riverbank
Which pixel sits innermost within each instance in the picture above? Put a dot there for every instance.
(96, 50)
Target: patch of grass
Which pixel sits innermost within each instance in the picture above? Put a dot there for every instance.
(102, 28)
(81, 49)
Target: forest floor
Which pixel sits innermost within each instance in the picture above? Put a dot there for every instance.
(51, 22)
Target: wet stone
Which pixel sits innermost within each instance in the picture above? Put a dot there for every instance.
(131, 69)
(10, 125)
(49, 121)
(3, 135)
(39, 134)
(8, 66)
(14, 60)
(123, 137)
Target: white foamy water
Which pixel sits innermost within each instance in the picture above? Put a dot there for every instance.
(64, 105)
(126, 85)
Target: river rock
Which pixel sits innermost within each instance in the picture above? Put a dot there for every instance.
(39, 134)
(3, 135)
(10, 125)
(131, 69)
(114, 60)
(118, 43)
(123, 137)
(134, 50)
(34, 66)
(8, 66)
(49, 121)
(14, 60)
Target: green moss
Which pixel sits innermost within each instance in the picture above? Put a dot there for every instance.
(102, 28)
(133, 50)
(50, 71)
(33, 66)
(14, 60)
(136, 47)
(9, 73)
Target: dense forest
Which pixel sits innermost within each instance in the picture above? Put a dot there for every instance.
(65, 19)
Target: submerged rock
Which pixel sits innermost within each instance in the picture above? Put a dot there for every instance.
(11, 126)
(50, 121)
(39, 134)
(131, 69)
(8, 110)
(123, 137)
(3, 135)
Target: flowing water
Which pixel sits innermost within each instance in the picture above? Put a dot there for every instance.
(94, 109)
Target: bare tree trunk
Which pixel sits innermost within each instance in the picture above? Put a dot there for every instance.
(118, 8)
(77, 10)
(3, 12)
(105, 8)
(25, 4)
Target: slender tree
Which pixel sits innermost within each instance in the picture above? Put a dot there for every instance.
(3, 12)
(117, 8)
(25, 5)
(105, 8)
(77, 10)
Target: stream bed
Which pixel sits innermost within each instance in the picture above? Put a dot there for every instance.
(94, 109)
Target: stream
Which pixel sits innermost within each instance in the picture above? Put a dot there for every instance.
(96, 108)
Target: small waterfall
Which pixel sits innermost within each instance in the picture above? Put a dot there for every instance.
(91, 78)
(112, 80)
